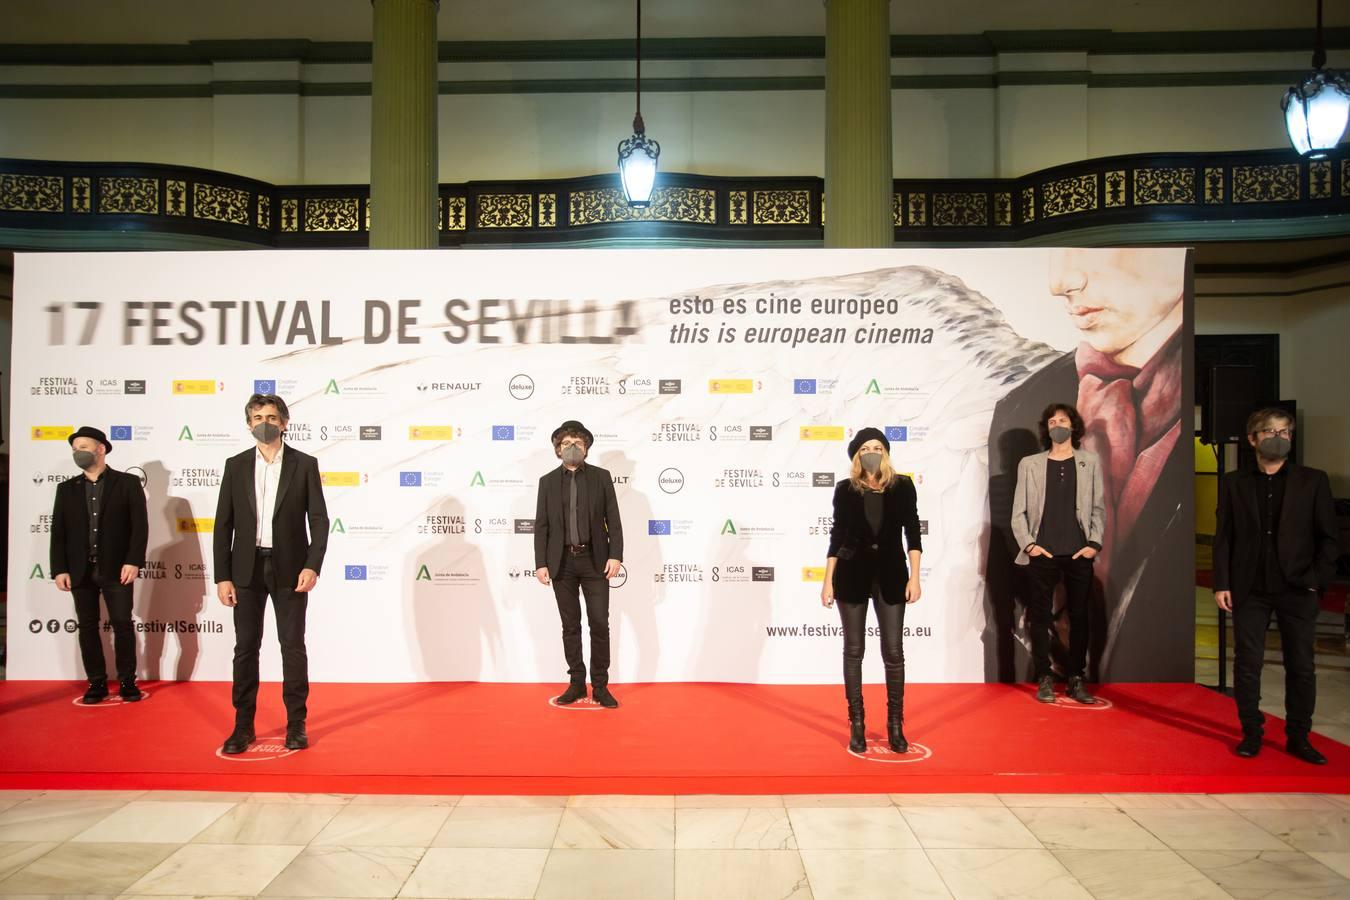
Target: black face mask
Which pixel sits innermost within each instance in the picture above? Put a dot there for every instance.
(1274, 447)
(1059, 434)
(266, 432)
(85, 459)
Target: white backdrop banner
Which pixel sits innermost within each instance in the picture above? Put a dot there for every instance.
(722, 388)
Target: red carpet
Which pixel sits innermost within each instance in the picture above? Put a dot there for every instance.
(461, 738)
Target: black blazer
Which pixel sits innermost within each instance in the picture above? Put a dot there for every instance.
(864, 557)
(1306, 540)
(550, 532)
(299, 500)
(122, 535)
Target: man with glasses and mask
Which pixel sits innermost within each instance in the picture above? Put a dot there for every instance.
(268, 494)
(99, 532)
(1274, 552)
(578, 545)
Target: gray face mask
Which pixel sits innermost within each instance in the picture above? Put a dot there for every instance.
(1274, 447)
(266, 432)
(85, 459)
(871, 463)
(573, 455)
(1059, 434)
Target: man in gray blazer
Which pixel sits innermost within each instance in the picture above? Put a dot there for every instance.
(1058, 519)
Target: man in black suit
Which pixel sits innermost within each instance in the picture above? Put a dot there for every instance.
(267, 495)
(1274, 552)
(578, 543)
(99, 532)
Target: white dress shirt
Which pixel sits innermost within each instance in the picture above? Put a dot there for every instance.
(266, 480)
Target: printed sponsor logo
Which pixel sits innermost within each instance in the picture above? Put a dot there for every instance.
(822, 432)
(731, 386)
(192, 387)
(52, 432)
(196, 526)
(431, 432)
(340, 479)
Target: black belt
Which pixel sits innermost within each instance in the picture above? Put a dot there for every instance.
(264, 551)
(577, 549)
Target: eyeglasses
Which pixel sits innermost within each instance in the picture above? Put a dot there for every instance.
(1282, 432)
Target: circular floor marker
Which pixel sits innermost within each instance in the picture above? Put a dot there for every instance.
(879, 750)
(261, 750)
(113, 699)
(584, 703)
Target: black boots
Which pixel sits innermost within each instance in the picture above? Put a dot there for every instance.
(895, 731)
(1045, 689)
(98, 689)
(1250, 745)
(129, 691)
(575, 691)
(296, 736)
(857, 728)
(1079, 693)
(238, 740)
(1301, 748)
(600, 694)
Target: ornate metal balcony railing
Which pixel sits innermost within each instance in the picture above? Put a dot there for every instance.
(1160, 187)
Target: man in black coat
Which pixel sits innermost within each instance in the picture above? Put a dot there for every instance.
(1274, 553)
(99, 532)
(268, 495)
(578, 544)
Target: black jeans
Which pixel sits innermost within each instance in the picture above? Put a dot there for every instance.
(289, 609)
(891, 623)
(578, 573)
(1296, 615)
(1042, 575)
(117, 596)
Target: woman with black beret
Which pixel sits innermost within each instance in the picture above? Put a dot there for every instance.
(866, 559)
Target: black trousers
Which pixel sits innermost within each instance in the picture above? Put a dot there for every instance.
(891, 624)
(579, 575)
(1296, 616)
(117, 597)
(289, 608)
(1043, 574)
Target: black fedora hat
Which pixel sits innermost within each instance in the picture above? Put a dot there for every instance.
(863, 436)
(573, 425)
(87, 431)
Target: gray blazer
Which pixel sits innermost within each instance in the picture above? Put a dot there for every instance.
(1029, 500)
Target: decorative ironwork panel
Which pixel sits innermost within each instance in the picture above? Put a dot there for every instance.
(1265, 184)
(782, 207)
(332, 214)
(220, 204)
(80, 192)
(692, 206)
(1075, 194)
(546, 210)
(505, 211)
(1114, 194)
(32, 193)
(365, 215)
(128, 195)
(1028, 204)
(965, 208)
(1319, 179)
(738, 204)
(1159, 186)
(1003, 208)
(175, 197)
(290, 214)
(1214, 184)
(917, 209)
(264, 212)
(456, 213)
(1345, 178)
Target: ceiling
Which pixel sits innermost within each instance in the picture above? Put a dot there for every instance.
(178, 21)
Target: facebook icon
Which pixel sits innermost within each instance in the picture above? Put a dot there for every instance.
(410, 479)
(265, 386)
(897, 432)
(503, 432)
(658, 526)
(356, 573)
(119, 433)
(803, 386)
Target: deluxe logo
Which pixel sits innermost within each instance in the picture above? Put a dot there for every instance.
(340, 479)
(761, 573)
(52, 432)
(196, 526)
(803, 385)
(431, 432)
(354, 573)
(521, 387)
(372, 433)
(194, 387)
(658, 526)
(761, 432)
(731, 386)
(671, 480)
(822, 479)
(822, 432)
(409, 479)
(503, 432)
(524, 526)
(897, 433)
(265, 386)
(620, 578)
(133, 386)
(813, 573)
(669, 386)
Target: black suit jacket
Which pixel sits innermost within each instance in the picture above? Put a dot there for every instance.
(864, 557)
(1306, 540)
(550, 532)
(299, 502)
(122, 533)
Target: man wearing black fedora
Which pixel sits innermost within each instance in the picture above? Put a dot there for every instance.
(99, 533)
(578, 545)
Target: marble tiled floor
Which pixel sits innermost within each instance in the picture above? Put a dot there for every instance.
(177, 844)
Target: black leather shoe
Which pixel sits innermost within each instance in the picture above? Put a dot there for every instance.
(573, 693)
(857, 730)
(895, 734)
(129, 691)
(296, 738)
(1045, 691)
(600, 694)
(238, 741)
(1301, 748)
(1079, 693)
(98, 689)
(1249, 746)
